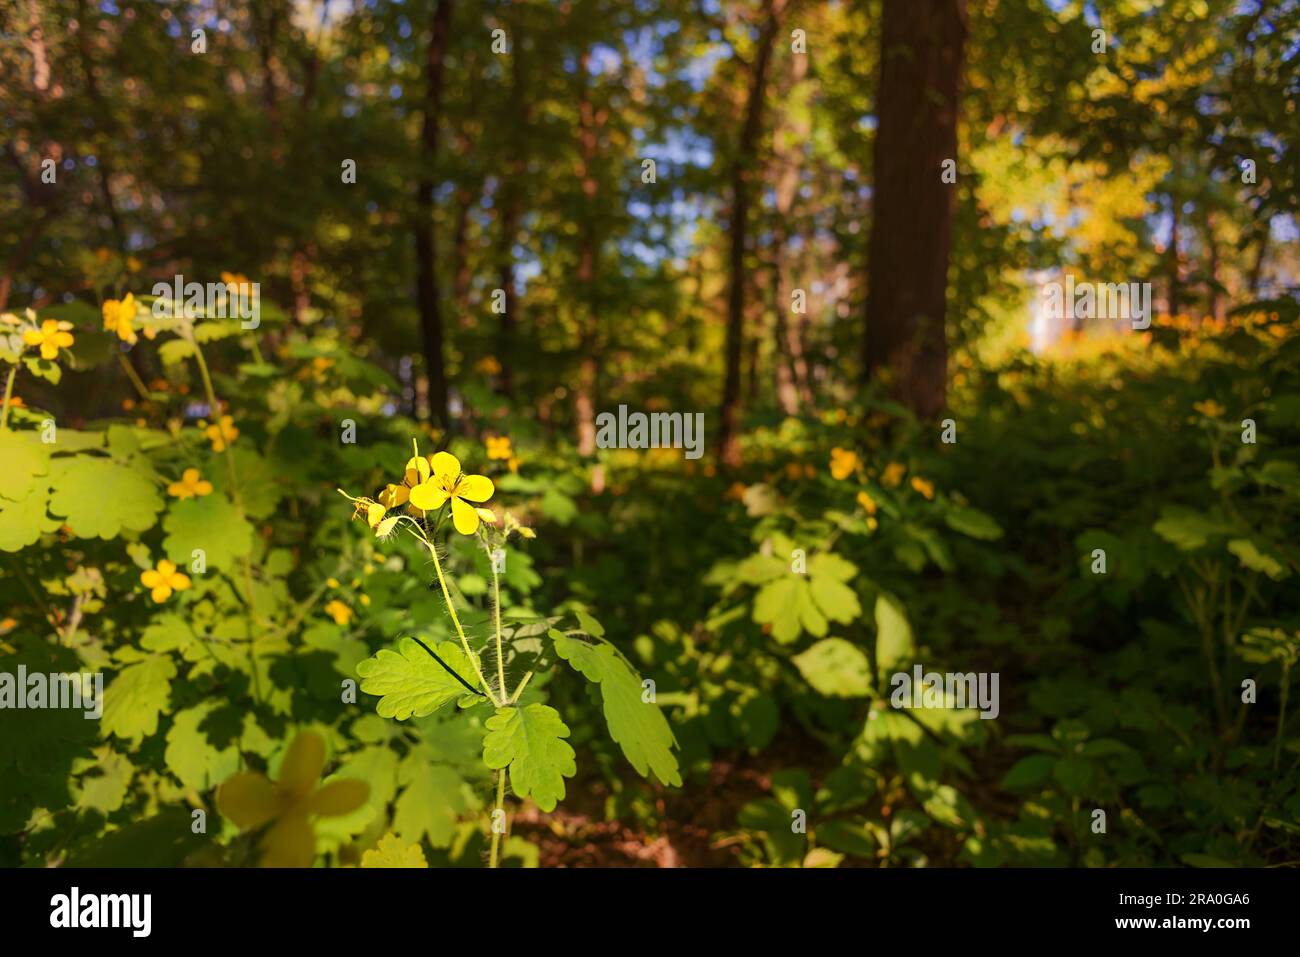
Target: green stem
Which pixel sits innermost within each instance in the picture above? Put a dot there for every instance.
(496, 600)
(9, 391)
(498, 812)
(131, 374)
(455, 620)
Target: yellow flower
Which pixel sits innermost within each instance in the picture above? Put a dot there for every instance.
(488, 365)
(923, 486)
(893, 474)
(498, 447)
(163, 580)
(191, 485)
(867, 502)
(133, 264)
(1209, 408)
(340, 612)
(332, 582)
(235, 279)
(119, 316)
(441, 479)
(222, 433)
(252, 800)
(843, 463)
(51, 337)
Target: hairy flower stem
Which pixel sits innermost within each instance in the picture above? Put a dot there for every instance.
(498, 814)
(460, 632)
(496, 602)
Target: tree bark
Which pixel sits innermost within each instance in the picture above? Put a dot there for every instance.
(742, 167)
(911, 227)
(790, 368)
(425, 250)
(584, 397)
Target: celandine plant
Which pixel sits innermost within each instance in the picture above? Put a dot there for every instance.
(525, 740)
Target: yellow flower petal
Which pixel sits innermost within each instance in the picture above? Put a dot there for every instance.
(161, 593)
(302, 764)
(444, 463)
(463, 516)
(248, 799)
(375, 514)
(338, 797)
(475, 488)
(150, 578)
(417, 470)
(290, 843)
(180, 582)
(428, 496)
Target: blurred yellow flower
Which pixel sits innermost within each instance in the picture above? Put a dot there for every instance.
(164, 579)
(867, 502)
(1209, 408)
(893, 474)
(252, 800)
(488, 365)
(340, 612)
(442, 479)
(843, 463)
(498, 447)
(51, 337)
(924, 486)
(119, 317)
(191, 485)
(222, 433)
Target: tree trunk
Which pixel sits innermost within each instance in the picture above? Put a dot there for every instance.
(790, 368)
(511, 206)
(584, 397)
(911, 226)
(425, 250)
(1175, 286)
(741, 175)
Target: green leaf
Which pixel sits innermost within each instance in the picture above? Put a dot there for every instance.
(135, 698)
(211, 523)
(98, 497)
(530, 742)
(1187, 528)
(392, 851)
(1074, 773)
(25, 458)
(973, 522)
(434, 799)
(22, 522)
(1250, 555)
(1028, 772)
(410, 682)
(836, 668)
(893, 634)
(638, 726)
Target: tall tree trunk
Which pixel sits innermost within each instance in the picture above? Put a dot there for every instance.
(790, 368)
(1257, 270)
(425, 250)
(742, 172)
(584, 399)
(1175, 286)
(1213, 283)
(911, 225)
(511, 210)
